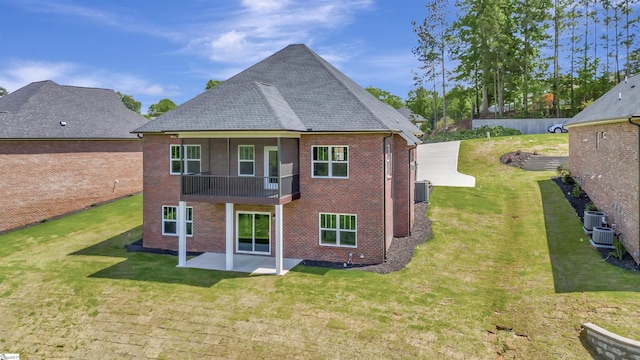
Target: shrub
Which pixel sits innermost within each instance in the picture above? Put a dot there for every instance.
(576, 191)
(591, 207)
(565, 174)
(472, 134)
(619, 249)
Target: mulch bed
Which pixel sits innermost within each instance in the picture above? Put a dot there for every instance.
(579, 204)
(400, 252)
(516, 158)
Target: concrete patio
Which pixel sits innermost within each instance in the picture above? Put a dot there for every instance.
(253, 264)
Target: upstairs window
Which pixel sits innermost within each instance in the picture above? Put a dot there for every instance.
(330, 161)
(190, 160)
(246, 160)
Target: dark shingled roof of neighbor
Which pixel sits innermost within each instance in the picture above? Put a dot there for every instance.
(46, 110)
(619, 103)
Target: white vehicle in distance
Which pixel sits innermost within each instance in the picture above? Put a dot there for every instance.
(557, 128)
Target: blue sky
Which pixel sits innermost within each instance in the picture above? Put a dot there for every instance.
(169, 49)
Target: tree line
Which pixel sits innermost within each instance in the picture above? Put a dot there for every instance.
(521, 58)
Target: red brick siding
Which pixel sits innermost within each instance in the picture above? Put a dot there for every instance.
(361, 194)
(47, 178)
(404, 179)
(609, 174)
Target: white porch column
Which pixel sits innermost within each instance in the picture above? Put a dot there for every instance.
(279, 262)
(229, 236)
(181, 219)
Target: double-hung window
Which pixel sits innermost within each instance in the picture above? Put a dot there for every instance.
(338, 229)
(170, 220)
(190, 159)
(330, 161)
(246, 160)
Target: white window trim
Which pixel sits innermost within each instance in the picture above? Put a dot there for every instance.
(183, 160)
(238, 232)
(338, 230)
(389, 161)
(175, 221)
(329, 162)
(253, 162)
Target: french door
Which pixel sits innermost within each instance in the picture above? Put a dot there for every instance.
(253, 232)
(271, 167)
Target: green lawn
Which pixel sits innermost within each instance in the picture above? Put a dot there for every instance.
(507, 272)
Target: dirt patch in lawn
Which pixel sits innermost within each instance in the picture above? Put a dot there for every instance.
(516, 158)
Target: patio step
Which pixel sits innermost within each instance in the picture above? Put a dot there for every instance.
(544, 163)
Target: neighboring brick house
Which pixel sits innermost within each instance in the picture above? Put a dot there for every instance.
(603, 156)
(62, 148)
(288, 158)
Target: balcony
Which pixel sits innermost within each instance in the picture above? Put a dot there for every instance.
(240, 189)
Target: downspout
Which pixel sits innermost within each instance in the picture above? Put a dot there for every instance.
(638, 125)
(409, 191)
(384, 198)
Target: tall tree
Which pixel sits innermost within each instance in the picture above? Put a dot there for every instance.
(130, 102)
(211, 83)
(386, 97)
(160, 108)
(433, 41)
(3, 92)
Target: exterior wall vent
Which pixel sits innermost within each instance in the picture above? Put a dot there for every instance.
(421, 191)
(593, 219)
(602, 235)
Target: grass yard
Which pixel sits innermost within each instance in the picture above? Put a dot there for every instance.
(508, 274)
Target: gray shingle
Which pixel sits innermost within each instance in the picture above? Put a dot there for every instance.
(617, 104)
(297, 90)
(37, 110)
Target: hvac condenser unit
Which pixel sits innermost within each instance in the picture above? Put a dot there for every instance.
(421, 191)
(593, 219)
(602, 235)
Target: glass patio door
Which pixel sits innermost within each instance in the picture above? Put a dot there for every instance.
(253, 232)
(271, 167)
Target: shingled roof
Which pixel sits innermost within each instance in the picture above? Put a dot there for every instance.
(618, 104)
(292, 90)
(46, 110)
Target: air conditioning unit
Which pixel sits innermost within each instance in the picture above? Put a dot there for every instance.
(593, 219)
(421, 191)
(602, 235)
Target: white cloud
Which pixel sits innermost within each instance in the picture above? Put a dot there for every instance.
(262, 27)
(20, 73)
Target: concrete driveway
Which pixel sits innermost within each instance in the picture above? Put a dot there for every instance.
(438, 163)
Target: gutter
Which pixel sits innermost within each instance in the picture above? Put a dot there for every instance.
(638, 125)
(384, 198)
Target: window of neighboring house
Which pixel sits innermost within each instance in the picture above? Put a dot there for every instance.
(191, 159)
(330, 161)
(388, 160)
(338, 229)
(246, 160)
(170, 220)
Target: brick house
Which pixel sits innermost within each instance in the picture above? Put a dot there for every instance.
(603, 156)
(289, 158)
(63, 148)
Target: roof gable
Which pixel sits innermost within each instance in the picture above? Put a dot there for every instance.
(619, 103)
(46, 110)
(294, 89)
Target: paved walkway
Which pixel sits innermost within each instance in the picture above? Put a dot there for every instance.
(438, 163)
(253, 264)
(544, 163)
